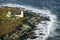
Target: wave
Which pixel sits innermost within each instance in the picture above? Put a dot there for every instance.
(43, 12)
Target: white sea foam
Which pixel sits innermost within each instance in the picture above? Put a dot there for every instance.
(47, 28)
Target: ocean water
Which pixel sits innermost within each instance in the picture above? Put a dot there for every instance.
(52, 5)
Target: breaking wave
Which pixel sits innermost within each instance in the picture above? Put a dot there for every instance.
(46, 28)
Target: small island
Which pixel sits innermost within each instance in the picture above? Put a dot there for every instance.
(16, 24)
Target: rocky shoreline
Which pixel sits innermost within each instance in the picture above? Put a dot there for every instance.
(15, 28)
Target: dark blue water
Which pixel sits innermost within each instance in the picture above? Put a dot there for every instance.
(53, 5)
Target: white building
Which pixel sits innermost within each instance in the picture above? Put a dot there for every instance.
(9, 14)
